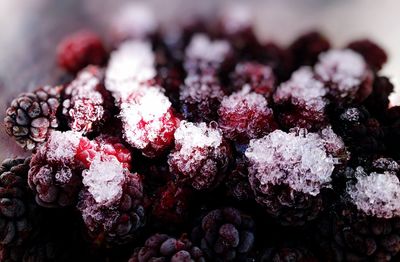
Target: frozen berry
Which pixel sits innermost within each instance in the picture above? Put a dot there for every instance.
(79, 50)
(200, 97)
(201, 155)
(373, 54)
(245, 115)
(378, 102)
(87, 104)
(148, 121)
(225, 234)
(54, 174)
(286, 254)
(237, 181)
(301, 101)
(32, 116)
(161, 247)
(111, 201)
(345, 73)
(287, 172)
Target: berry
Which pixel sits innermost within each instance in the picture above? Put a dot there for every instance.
(237, 182)
(161, 247)
(54, 174)
(306, 49)
(201, 155)
(259, 77)
(345, 73)
(378, 102)
(32, 116)
(245, 115)
(292, 254)
(200, 97)
(85, 106)
(225, 234)
(207, 56)
(79, 50)
(111, 202)
(287, 172)
(301, 101)
(145, 126)
(18, 211)
(373, 54)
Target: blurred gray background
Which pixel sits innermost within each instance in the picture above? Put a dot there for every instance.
(30, 30)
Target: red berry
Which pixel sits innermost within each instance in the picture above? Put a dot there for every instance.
(373, 54)
(80, 49)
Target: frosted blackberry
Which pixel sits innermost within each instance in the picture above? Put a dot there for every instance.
(147, 127)
(245, 115)
(200, 97)
(259, 77)
(378, 102)
(131, 65)
(287, 172)
(111, 201)
(87, 103)
(161, 247)
(345, 73)
(301, 101)
(54, 174)
(237, 182)
(32, 116)
(201, 155)
(373, 54)
(18, 211)
(206, 56)
(225, 234)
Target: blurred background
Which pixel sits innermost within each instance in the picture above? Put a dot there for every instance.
(30, 30)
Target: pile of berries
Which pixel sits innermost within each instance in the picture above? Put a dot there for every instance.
(199, 142)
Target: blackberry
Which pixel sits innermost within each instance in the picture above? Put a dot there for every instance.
(237, 181)
(18, 211)
(392, 131)
(79, 50)
(374, 55)
(161, 247)
(378, 102)
(225, 234)
(32, 116)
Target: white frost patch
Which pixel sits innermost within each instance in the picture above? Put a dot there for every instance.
(204, 49)
(190, 136)
(236, 17)
(298, 160)
(104, 180)
(200, 88)
(376, 194)
(351, 114)
(61, 146)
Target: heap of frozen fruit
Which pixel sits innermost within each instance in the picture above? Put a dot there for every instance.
(198, 142)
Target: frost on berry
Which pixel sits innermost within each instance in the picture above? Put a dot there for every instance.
(130, 65)
(376, 194)
(245, 115)
(205, 54)
(298, 159)
(345, 73)
(236, 18)
(85, 106)
(200, 97)
(54, 173)
(301, 100)
(259, 77)
(111, 201)
(201, 155)
(148, 121)
(133, 21)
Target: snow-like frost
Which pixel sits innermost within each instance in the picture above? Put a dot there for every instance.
(202, 48)
(61, 146)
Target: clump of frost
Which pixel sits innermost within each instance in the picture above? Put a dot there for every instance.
(236, 18)
(376, 194)
(61, 146)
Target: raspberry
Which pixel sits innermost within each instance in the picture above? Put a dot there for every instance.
(301, 101)
(225, 234)
(200, 98)
(79, 50)
(103, 145)
(201, 155)
(54, 174)
(161, 247)
(373, 54)
(306, 49)
(207, 56)
(259, 77)
(111, 201)
(345, 73)
(85, 106)
(32, 116)
(145, 126)
(245, 115)
(287, 172)
(172, 203)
